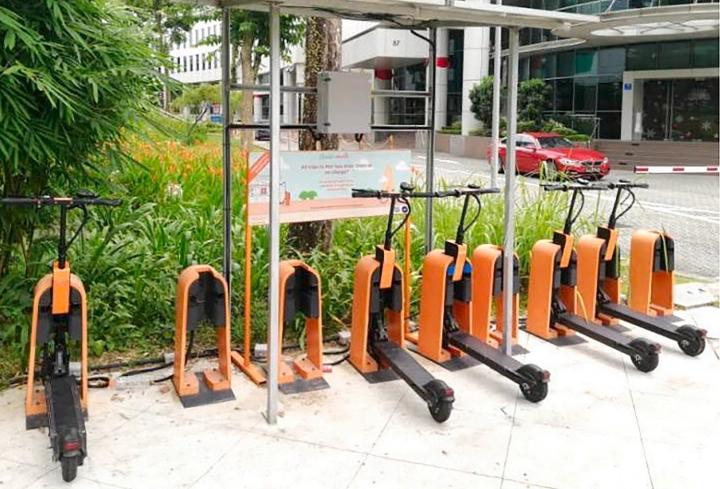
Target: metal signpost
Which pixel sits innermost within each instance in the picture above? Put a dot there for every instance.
(417, 14)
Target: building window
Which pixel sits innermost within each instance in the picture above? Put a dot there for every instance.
(566, 64)
(564, 95)
(609, 125)
(609, 93)
(585, 94)
(586, 62)
(611, 61)
(197, 62)
(456, 39)
(705, 53)
(674, 55)
(641, 57)
(695, 110)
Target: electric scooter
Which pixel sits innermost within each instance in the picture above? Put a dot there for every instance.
(59, 320)
(377, 336)
(552, 299)
(447, 326)
(599, 258)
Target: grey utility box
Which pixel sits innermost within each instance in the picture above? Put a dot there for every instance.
(343, 102)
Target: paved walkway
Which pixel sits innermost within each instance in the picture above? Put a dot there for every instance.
(604, 425)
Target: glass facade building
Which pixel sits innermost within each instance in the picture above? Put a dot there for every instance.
(673, 83)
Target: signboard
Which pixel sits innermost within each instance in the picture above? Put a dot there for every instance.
(316, 185)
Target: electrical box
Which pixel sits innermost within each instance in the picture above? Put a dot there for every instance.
(343, 102)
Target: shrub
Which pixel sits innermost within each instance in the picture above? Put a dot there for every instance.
(534, 99)
(74, 74)
(455, 128)
(481, 96)
(129, 258)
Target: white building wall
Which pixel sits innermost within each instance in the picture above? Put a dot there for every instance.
(195, 62)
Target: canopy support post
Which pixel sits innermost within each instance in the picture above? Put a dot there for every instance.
(430, 155)
(509, 244)
(497, 86)
(227, 158)
(274, 293)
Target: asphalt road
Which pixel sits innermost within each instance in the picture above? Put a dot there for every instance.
(685, 206)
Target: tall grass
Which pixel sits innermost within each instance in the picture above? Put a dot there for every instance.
(129, 258)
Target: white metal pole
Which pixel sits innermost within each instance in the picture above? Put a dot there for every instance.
(509, 244)
(497, 84)
(273, 317)
(430, 155)
(227, 161)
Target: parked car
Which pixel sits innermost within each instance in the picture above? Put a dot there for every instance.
(557, 153)
(262, 134)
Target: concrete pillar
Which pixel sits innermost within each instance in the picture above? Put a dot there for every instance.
(441, 77)
(632, 105)
(476, 61)
(381, 105)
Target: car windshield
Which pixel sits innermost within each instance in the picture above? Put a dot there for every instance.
(555, 142)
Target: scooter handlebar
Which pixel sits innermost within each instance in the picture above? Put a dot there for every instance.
(565, 187)
(59, 201)
(455, 192)
(626, 184)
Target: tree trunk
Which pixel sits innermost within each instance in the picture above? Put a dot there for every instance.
(161, 49)
(248, 78)
(322, 53)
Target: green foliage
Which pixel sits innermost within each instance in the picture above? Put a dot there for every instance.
(307, 195)
(481, 96)
(167, 21)
(534, 98)
(455, 128)
(129, 258)
(74, 74)
(196, 96)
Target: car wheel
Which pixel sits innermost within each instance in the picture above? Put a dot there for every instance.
(501, 170)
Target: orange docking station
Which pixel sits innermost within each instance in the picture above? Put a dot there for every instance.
(377, 343)
(455, 306)
(556, 272)
(202, 300)
(300, 293)
(651, 277)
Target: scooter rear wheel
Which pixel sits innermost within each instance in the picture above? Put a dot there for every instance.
(693, 342)
(645, 358)
(538, 389)
(439, 405)
(69, 467)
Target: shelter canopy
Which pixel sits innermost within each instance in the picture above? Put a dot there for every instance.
(419, 13)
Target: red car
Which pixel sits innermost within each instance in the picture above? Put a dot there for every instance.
(559, 154)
